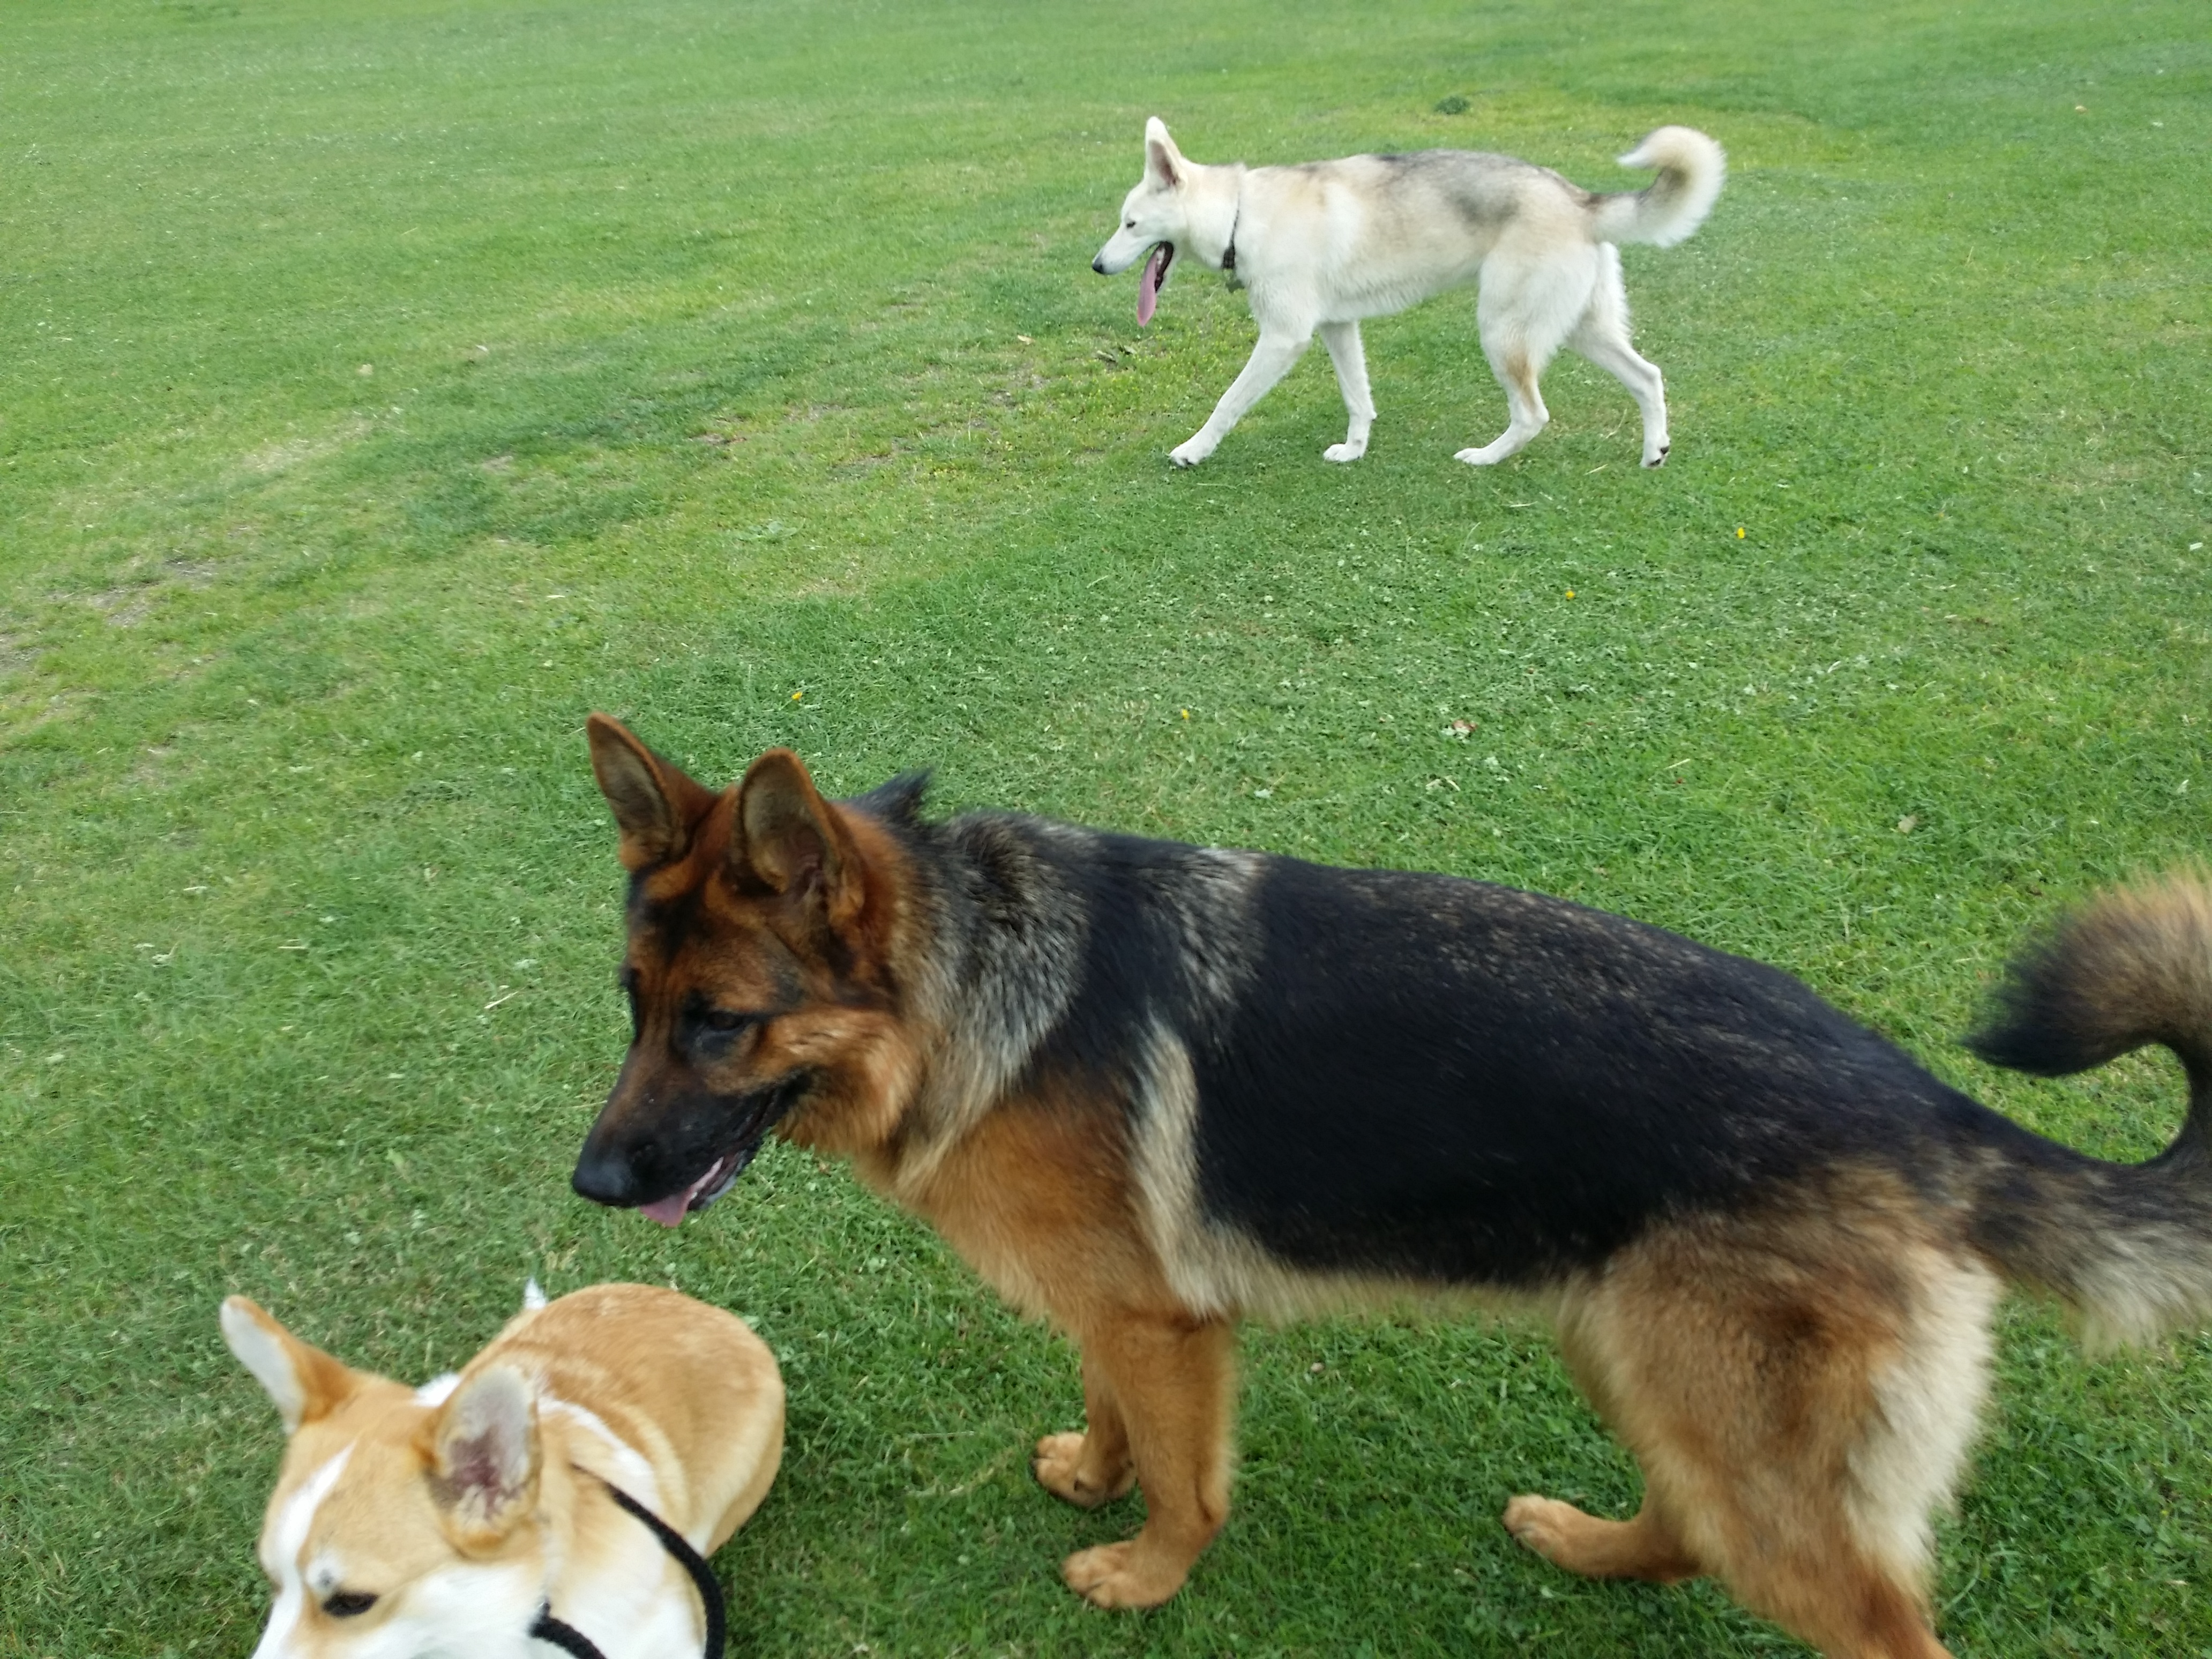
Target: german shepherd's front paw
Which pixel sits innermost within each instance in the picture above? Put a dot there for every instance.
(1063, 1469)
(1122, 1576)
(1544, 1525)
(1565, 1537)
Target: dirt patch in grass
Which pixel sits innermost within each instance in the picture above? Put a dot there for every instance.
(282, 454)
(124, 605)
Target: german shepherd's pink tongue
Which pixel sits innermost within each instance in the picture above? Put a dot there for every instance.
(1148, 285)
(668, 1212)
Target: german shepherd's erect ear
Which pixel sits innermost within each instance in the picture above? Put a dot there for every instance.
(655, 804)
(789, 841)
(785, 841)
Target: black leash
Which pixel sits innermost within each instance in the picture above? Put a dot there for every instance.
(568, 1638)
(550, 1629)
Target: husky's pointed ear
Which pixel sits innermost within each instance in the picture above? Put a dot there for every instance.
(790, 840)
(482, 1454)
(655, 804)
(304, 1382)
(1163, 160)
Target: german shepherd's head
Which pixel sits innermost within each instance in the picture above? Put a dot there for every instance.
(766, 926)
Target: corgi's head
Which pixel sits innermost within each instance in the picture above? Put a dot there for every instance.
(1155, 217)
(405, 1523)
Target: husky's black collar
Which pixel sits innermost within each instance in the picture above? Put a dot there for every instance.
(568, 1638)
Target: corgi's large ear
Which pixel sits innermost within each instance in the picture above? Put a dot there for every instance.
(789, 838)
(304, 1382)
(655, 804)
(483, 1457)
(1163, 160)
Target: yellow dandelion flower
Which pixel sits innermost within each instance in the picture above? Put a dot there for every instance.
(796, 695)
(1738, 532)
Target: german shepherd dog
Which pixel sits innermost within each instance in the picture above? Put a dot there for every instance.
(1146, 1089)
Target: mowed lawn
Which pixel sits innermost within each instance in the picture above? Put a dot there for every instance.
(384, 386)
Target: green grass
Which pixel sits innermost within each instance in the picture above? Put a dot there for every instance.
(383, 386)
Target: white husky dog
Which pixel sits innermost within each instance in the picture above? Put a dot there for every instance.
(1323, 245)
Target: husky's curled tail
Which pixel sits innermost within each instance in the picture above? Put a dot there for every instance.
(2128, 1246)
(1692, 169)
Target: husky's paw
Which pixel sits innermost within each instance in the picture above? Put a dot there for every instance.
(1345, 452)
(1659, 459)
(1121, 1575)
(1060, 1469)
(1477, 457)
(1190, 454)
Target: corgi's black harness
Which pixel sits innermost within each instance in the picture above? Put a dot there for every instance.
(572, 1640)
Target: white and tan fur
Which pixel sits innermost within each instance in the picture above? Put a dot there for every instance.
(409, 1523)
(1321, 246)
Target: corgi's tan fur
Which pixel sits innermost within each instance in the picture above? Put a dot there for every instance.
(441, 1520)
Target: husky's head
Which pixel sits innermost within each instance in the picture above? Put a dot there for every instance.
(1154, 216)
(404, 1521)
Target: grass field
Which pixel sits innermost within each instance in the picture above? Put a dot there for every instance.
(383, 386)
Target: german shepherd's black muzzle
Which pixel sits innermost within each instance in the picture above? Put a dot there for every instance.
(668, 1155)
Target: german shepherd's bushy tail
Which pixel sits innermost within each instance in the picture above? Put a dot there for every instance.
(2128, 1246)
(1691, 168)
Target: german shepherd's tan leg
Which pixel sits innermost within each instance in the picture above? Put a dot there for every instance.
(1854, 1613)
(1646, 1547)
(1799, 1390)
(1174, 1383)
(1838, 1602)
(1095, 1466)
(1034, 1204)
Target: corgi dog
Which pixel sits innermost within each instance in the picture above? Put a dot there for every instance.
(564, 1487)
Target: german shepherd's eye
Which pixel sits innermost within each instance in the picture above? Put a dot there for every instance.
(348, 1604)
(710, 1030)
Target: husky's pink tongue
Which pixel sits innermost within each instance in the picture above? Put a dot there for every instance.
(1148, 285)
